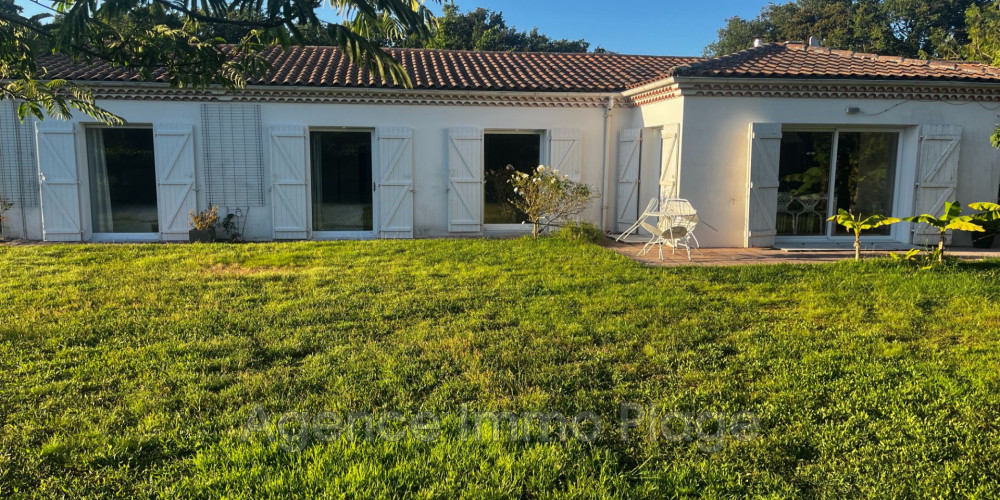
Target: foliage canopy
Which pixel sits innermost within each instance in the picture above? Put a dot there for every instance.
(192, 43)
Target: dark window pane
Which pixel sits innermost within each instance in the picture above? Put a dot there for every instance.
(122, 171)
(341, 181)
(522, 152)
(866, 174)
(804, 183)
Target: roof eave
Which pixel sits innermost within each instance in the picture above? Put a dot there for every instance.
(221, 91)
(916, 83)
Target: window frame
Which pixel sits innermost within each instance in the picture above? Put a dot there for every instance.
(543, 157)
(86, 197)
(897, 232)
(342, 235)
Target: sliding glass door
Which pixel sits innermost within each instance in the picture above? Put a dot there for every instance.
(821, 172)
(341, 179)
(122, 171)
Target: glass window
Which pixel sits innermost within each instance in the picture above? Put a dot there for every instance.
(804, 177)
(866, 174)
(504, 154)
(122, 171)
(341, 181)
(814, 184)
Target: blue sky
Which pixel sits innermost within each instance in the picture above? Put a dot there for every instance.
(655, 27)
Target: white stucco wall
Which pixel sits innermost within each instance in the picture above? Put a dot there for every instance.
(651, 119)
(430, 124)
(715, 147)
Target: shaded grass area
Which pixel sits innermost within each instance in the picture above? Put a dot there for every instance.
(132, 370)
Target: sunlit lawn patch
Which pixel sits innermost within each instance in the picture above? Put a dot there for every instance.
(132, 370)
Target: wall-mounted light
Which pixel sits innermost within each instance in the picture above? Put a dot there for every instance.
(853, 110)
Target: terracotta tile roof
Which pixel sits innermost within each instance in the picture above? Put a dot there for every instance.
(430, 69)
(797, 60)
(555, 72)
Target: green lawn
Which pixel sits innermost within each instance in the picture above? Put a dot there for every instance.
(132, 371)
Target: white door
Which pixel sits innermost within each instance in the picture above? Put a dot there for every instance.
(289, 191)
(395, 185)
(465, 180)
(173, 148)
(565, 147)
(670, 161)
(762, 185)
(629, 154)
(937, 176)
(59, 181)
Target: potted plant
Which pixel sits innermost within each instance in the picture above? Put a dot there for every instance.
(233, 224)
(204, 225)
(989, 218)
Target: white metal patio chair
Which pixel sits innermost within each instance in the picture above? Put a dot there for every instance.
(813, 209)
(649, 212)
(678, 220)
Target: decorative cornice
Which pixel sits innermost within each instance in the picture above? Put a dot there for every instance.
(659, 94)
(300, 95)
(925, 91)
(663, 90)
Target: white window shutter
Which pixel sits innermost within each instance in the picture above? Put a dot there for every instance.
(670, 158)
(629, 149)
(937, 176)
(762, 198)
(18, 166)
(465, 180)
(59, 181)
(289, 191)
(395, 185)
(565, 145)
(173, 147)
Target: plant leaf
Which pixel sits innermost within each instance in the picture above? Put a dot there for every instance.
(928, 219)
(964, 225)
(984, 206)
(952, 209)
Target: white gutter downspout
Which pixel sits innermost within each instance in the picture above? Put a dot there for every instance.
(607, 162)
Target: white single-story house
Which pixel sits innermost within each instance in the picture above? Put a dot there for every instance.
(765, 143)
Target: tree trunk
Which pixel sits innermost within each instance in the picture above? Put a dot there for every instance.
(857, 246)
(944, 236)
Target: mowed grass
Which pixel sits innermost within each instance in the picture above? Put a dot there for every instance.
(131, 371)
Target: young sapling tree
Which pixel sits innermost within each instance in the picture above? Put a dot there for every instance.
(856, 224)
(952, 219)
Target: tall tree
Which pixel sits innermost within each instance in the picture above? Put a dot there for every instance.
(197, 43)
(483, 29)
(983, 24)
(912, 28)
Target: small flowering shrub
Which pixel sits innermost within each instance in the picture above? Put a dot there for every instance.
(546, 197)
(206, 219)
(4, 207)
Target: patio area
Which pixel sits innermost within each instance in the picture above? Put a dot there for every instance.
(744, 256)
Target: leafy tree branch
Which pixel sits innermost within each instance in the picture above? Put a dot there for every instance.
(188, 43)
